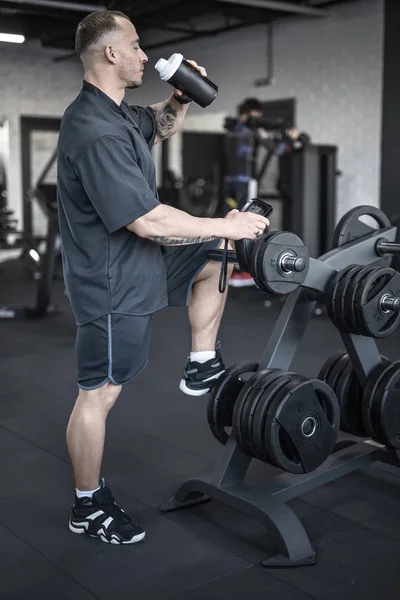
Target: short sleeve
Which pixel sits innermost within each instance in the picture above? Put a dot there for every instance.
(146, 121)
(114, 183)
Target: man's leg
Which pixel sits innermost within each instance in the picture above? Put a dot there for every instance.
(206, 307)
(110, 351)
(86, 433)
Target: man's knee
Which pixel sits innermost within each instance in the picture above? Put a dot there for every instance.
(104, 396)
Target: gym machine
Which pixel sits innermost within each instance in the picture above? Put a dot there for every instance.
(45, 195)
(263, 410)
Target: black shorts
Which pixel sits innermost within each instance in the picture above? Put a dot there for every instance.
(116, 347)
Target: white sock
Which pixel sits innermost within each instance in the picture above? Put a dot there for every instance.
(202, 357)
(88, 494)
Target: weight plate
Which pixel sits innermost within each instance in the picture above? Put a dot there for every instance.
(333, 378)
(332, 298)
(237, 410)
(255, 388)
(385, 408)
(244, 249)
(350, 228)
(258, 249)
(349, 304)
(344, 324)
(272, 387)
(375, 322)
(258, 245)
(336, 371)
(302, 425)
(349, 392)
(328, 366)
(275, 278)
(370, 388)
(223, 398)
(372, 282)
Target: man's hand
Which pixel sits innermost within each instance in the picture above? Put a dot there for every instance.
(244, 225)
(201, 70)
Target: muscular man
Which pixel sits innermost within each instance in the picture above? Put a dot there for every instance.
(125, 255)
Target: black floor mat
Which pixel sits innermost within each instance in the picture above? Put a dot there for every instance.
(156, 438)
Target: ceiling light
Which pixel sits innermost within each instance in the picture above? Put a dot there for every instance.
(11, 37)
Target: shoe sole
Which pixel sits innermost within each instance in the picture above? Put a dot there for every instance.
(190, 392)
(81, 529)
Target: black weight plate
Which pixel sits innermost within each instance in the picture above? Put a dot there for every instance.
(258, 249)
(257, 384)
(223, 398)
(340, 294)
(302, 426)
(350, 299)
(364, 290)
(278, 244)
(244, 249)
(349, 392)
(261, 411)
(350, 228)
(370, 388)
(328, 366)
(237, 411)
(385, 408)
(331, 295)
(258, 261)
(377, 322)
(337, 370)
(374, 322)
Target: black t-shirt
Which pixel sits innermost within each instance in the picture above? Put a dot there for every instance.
(105, 180)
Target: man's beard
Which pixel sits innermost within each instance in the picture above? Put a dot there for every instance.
(133, 85)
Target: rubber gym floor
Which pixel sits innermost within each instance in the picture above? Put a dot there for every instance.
(156, 438)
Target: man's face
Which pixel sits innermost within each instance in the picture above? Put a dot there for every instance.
(256, 114)
(131, 58)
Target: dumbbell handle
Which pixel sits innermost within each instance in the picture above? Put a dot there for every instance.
(384, 247)
(390, 303)
(292, 264)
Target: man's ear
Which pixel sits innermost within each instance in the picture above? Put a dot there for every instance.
(109, 53)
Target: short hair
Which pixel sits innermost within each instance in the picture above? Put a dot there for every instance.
(250, 104)
(93, 27)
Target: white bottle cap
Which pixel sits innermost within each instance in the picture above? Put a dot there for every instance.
(167, 68)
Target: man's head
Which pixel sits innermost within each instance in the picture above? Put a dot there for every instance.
(108, 40)
(250, 107)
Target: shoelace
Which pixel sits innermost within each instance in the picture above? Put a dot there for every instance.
(113, 510)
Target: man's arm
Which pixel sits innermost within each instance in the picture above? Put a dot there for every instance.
(169, 117)
(170, 114)
(170, 226)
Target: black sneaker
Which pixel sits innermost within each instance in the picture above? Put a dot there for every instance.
(199, 378)
(101, 517)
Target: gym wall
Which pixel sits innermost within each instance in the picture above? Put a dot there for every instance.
(32, 84)
(332, 66)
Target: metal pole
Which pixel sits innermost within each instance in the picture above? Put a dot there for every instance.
(288, 7)
(71, 6)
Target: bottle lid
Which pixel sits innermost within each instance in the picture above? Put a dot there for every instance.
(167, 68)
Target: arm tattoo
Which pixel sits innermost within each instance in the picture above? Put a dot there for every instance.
(165, 241)
(166, 119)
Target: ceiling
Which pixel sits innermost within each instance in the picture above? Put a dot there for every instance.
(159, 22)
